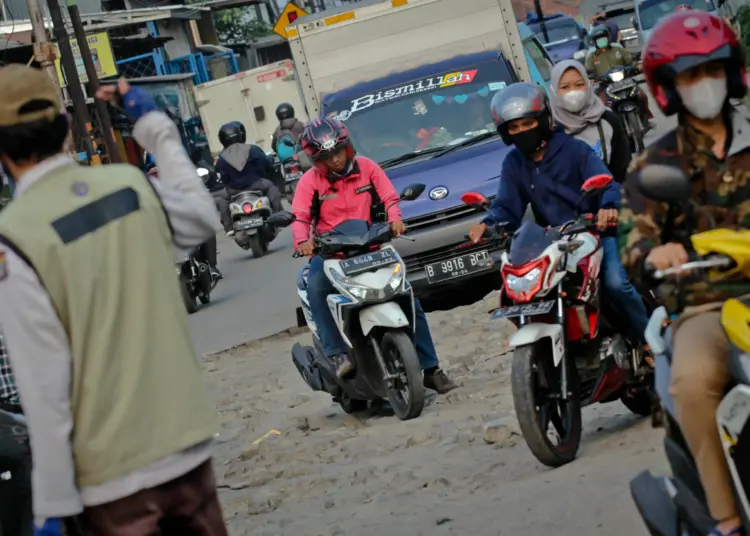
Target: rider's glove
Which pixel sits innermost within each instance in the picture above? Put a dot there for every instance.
(50, 527)
(138, 102)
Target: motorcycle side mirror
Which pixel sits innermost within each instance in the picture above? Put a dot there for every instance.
(202, 172)
(475, 199)
(412, 192)
(281, 219)
(667, 184)
(596, 184)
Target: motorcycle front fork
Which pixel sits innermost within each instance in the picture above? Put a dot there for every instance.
(564, 361)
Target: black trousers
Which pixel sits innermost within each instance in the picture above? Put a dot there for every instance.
(16, 516)
(207, 253)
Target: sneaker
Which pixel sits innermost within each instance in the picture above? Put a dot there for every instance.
(439, 381)
(343, 364)
(230, 234)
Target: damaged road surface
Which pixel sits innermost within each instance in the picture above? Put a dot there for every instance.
(290, 462)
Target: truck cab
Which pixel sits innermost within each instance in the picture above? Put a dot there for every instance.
(560, 35)
(537, 56)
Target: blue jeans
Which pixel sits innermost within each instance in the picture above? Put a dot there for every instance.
(318, 289)
(619, 289)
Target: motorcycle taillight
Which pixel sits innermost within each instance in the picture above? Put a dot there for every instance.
(247, 208)
(522, 283)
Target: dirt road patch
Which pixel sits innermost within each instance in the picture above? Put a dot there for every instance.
(289, 462)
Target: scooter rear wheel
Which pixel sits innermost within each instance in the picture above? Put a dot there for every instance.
(406, 390)
(256, 246)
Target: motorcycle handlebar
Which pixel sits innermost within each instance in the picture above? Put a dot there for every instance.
(718, 261)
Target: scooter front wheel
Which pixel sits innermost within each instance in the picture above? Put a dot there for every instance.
(404, 385)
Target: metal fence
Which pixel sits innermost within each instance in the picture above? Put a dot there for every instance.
(204, 68)
(150, 64)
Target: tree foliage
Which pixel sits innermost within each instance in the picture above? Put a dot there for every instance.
(742, 21)
(238, 25)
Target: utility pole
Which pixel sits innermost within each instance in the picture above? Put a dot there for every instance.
(44, 51)
(88, 62)
(68, 63)
(540, 16)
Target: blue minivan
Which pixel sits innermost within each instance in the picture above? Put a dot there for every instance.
(433, 125)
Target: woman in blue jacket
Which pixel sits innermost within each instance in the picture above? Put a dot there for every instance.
(546, 170)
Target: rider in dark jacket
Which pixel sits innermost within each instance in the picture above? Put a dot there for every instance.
(245, 167)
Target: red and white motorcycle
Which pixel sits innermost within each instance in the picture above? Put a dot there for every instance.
(566, 354)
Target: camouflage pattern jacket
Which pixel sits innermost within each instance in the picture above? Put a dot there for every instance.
(720, 199)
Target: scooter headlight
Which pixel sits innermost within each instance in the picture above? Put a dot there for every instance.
(617, 76)
(358, 290)
(363, 292)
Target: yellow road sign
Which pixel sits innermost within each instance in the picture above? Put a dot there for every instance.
(290, 14)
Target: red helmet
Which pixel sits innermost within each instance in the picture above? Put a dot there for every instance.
(323, 137)
(685, 40)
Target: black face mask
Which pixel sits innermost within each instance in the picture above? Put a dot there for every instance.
(529, 141)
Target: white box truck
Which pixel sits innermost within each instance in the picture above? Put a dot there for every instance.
(413, 81)
(336, 49)
(250, 97)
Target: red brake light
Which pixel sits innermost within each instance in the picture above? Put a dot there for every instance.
(523, 296)
(247, 208)
(473, 198)
(596, 183)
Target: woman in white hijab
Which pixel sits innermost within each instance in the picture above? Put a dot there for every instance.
(578, 110)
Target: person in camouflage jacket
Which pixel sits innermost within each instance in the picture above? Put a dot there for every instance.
(694, 64)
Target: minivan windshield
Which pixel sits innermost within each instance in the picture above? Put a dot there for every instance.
(652, 11)
(427, 113)
(558, 31)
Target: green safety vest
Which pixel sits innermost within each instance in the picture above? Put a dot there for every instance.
(101, 244)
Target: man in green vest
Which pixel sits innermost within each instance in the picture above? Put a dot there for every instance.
(120, 423)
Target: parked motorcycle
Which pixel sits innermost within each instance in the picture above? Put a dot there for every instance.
(677, 504)
(250, 211)
(567, 354)
(16, 517)
(374, 311)
(622, 97)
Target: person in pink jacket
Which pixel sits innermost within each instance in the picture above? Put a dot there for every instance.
(342, 186)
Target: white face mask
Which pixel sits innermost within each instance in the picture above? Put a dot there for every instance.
(574, 101)
(706, 98)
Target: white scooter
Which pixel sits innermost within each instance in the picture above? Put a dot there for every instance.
(374, 311)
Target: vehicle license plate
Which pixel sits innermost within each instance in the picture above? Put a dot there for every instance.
(622, 85)
(524, 309)
(468, 264)
(251, 223)
(365, 263)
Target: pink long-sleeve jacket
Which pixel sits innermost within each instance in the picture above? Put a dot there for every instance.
(342, 200)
